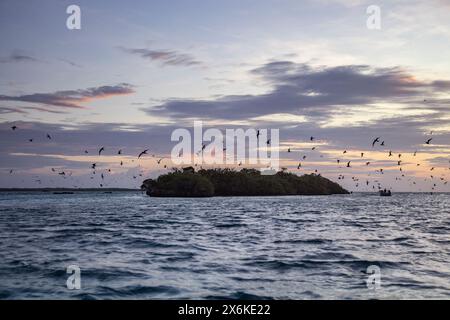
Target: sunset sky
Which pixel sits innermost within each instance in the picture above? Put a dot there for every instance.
(137, 70)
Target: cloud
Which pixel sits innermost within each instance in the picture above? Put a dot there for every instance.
(72, 98)
(300, 89)
(5, 110)
(16, 57)
(165, 57)
(71, 63)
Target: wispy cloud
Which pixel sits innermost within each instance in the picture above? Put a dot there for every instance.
(6, 110)
(72, 98)
(165, 57)
(16, 57)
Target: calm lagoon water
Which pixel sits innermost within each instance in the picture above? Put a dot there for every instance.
(130, 246)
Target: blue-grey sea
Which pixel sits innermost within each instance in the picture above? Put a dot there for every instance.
(130, 246)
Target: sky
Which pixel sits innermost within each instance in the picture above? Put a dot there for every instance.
(138, 70)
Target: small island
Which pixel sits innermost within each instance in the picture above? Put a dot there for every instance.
(246, 182)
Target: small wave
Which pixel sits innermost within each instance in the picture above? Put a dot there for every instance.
(239, 295)
(137, 290)
(306, 241)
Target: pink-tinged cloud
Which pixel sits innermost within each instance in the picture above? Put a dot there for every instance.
(72, 98)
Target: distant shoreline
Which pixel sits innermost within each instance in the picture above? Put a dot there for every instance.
(67, 189)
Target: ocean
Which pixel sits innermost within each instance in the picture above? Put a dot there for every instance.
(130, 246)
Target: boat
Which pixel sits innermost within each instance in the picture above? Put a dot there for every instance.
(385, 193)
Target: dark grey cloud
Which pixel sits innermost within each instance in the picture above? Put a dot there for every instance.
(72, 98)
(165, 57)
(302, 89)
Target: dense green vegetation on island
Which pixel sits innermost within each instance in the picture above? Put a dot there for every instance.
(228, 182)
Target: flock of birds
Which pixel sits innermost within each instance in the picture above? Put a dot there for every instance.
(95, 167)
(376, 183)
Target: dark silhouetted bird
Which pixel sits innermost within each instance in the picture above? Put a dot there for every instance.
(142, 153)
(13, 128)
(49, 137)
(119, 152)
(101, 150)
(428, 141)
(375, 141)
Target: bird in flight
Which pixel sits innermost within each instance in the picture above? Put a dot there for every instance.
(101, 150)
(49, 137)
(93, 166)
(382, 143)
(375, 141)
(142, 153)
(13, 128)
(348, 164)
(428, 141)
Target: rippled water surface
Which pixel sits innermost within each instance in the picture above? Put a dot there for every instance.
(128, 245)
